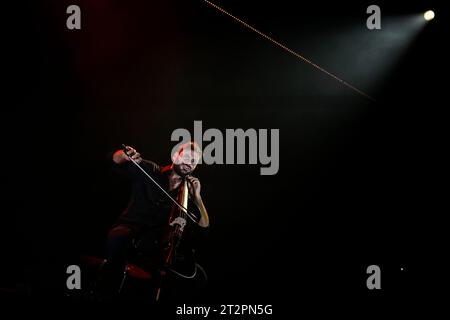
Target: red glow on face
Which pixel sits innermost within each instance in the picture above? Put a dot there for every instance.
(189, 158)
(185, 161)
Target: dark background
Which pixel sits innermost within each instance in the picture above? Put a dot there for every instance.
(355, 185)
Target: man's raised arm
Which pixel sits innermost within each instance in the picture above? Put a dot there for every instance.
(120, 157)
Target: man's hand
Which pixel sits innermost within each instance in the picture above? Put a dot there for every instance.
(120, 157)
(194, 187)
(194, 190)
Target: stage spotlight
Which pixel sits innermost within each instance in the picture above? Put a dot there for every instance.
(428, 15)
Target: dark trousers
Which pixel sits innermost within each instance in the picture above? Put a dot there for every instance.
(120, 243)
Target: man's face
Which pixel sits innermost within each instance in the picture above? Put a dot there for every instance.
(185, 162)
